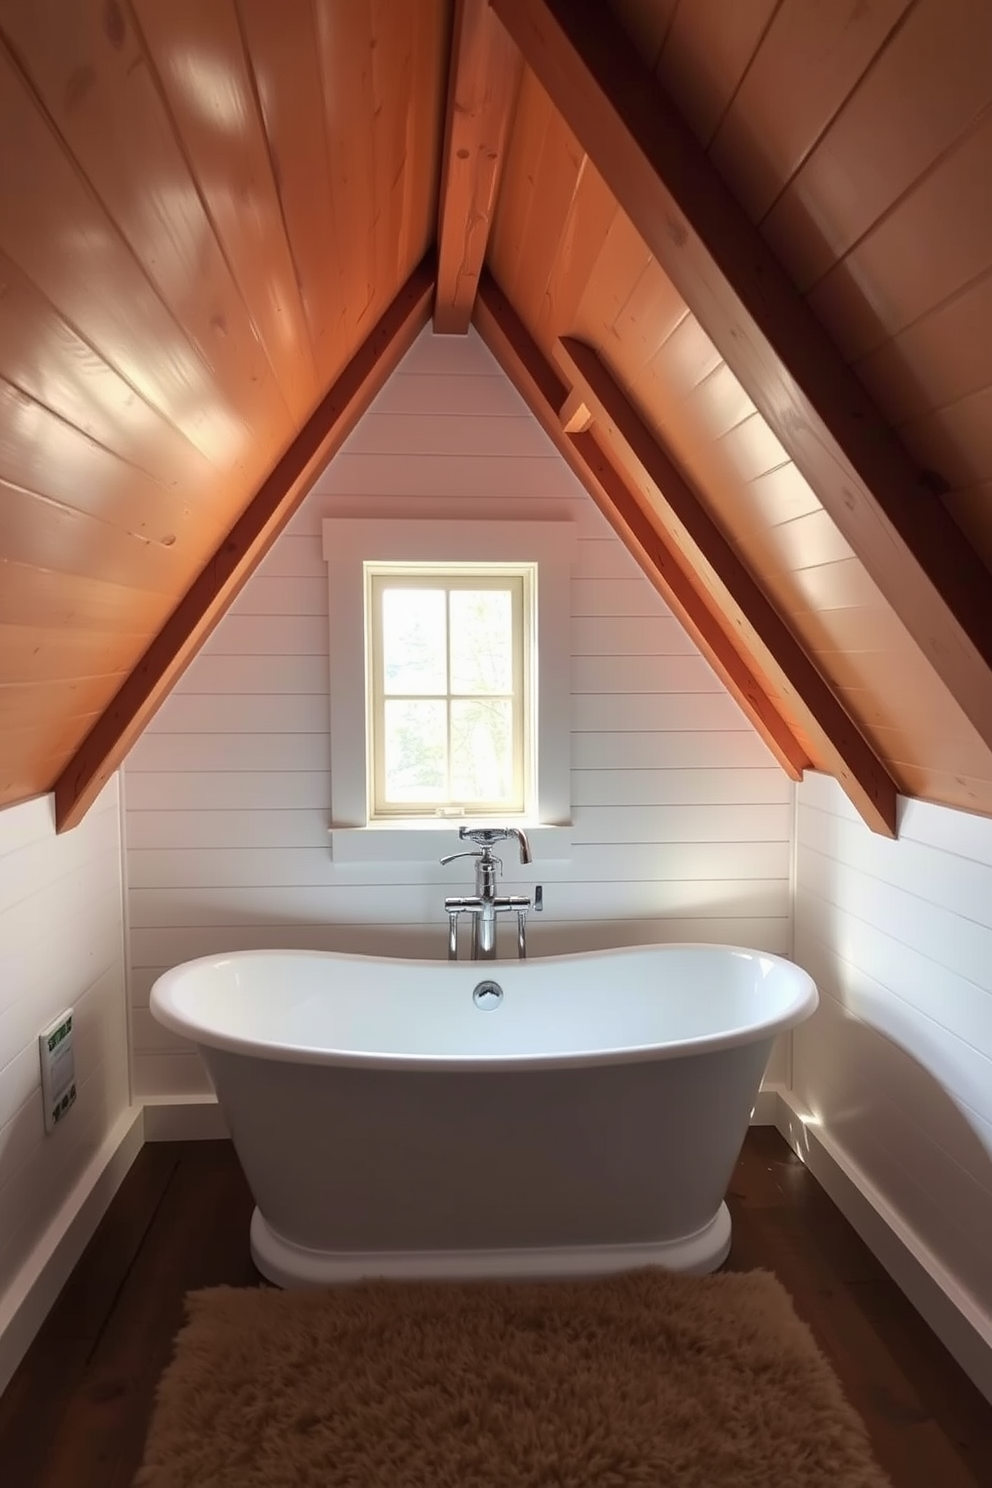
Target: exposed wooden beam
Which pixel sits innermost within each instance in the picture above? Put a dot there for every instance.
(573, 415)
(540, 385)
(246, 544)
(709, 555)
(482, 90)
(881, 502)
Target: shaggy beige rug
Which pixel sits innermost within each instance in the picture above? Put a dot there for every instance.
(643, 1379)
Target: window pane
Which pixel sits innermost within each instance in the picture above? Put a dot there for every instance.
(413, 640)
(481, 640)
(482, 750)
(415, 749)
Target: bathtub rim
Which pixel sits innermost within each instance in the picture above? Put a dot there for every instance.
(803, 1005)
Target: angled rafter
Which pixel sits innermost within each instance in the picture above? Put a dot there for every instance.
(878, 498)
(545, 393)
(485, 73)
(709, 555)
(247, 543)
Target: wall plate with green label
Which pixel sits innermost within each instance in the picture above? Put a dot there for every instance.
(58, 1068)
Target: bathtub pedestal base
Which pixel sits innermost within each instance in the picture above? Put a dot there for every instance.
(290, 1265)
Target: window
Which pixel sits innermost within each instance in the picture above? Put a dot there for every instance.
(398, 815)
(448, 675)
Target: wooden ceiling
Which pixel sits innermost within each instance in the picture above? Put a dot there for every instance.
(205, 208)
(737, 256)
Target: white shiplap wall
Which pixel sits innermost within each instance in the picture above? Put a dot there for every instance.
(61, 944)
(682, 820)
(896, 1066)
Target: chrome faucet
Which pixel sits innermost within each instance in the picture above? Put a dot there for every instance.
(485, 904)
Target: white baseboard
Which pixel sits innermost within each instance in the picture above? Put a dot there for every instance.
(32, 1295)
(960, 1324)
(187, 1118)
(765, 1110)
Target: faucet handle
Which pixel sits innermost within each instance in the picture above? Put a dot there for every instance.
(487, 837)
(484, 836)
(452, 856)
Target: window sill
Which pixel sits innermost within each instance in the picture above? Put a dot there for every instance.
(425, 842)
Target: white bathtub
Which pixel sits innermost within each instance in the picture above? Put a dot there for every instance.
(390, 1126)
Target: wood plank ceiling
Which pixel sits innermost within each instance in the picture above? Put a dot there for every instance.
(204, 211)
(210, 207)
(770, 98)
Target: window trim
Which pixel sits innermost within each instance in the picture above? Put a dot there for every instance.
(348, 543)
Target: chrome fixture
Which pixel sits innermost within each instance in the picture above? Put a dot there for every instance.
(488, 996)
(485, 904)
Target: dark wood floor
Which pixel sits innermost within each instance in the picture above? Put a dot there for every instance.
(75, 1414)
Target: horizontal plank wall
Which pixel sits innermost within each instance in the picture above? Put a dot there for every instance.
(682, 820)
(896, 1066)
(61, 944)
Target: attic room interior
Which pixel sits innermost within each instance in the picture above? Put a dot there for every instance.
(681, 308)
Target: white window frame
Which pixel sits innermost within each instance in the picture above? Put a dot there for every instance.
(518, 581)
(348, 544)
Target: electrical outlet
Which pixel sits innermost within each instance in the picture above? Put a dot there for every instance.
(58, 1068)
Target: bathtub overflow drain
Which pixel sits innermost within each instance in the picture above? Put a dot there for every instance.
(487, 995)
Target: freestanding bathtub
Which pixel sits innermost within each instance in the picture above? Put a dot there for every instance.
(560, 1116)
